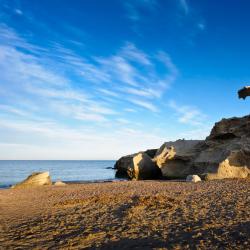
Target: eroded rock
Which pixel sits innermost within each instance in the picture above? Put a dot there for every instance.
(34, 180)
(175, 158)
(125, 165)
(144, 168)
(224, 154)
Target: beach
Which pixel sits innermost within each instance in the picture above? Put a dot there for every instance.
(126, 215)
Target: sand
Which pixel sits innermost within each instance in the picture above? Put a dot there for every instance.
(128, 215)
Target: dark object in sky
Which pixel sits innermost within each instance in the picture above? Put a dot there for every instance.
(244, 92)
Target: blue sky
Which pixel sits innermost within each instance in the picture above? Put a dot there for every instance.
(100, 79)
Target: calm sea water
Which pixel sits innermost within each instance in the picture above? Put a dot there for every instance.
(12, 172)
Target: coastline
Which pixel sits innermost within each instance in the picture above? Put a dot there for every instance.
(76, 182)
(128, 214)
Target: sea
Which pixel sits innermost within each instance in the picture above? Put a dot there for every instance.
(12, 172)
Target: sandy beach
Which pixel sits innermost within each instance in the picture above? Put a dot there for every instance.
(127, 215)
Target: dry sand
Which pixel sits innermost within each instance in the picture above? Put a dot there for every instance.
(128, 215)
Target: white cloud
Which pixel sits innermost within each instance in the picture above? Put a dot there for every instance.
(145, 104)
(130, 52)
(57, 92)
(67, 143)
(108, 92)
(188, 114)
(151, 93)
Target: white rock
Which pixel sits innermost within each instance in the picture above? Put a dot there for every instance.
(35, 179)
(193, 178)
(60, 183)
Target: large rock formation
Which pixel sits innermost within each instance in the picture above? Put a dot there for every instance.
(227, 150)
(34, 180)
(224, 154)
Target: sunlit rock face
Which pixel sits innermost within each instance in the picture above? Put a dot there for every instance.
(125, 164)
(144, 168)
(175, 159)
(227, 153)
(35, 180)
(224, 154)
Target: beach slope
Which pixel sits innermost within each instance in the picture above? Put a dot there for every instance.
(127, 215)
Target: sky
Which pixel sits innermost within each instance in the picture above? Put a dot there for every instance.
(98, 79)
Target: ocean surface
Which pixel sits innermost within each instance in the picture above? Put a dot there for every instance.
(12, 172)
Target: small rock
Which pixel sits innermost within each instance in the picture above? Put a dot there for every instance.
(60, 183)
(193, 178)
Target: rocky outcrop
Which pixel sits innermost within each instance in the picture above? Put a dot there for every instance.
(175, 158)
(224, 154)
(143, 168)
(35, 180)
(125, 164)
(193, 178)
(227, 152)
(244, 92)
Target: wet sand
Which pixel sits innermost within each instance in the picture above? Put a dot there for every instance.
(128, 215)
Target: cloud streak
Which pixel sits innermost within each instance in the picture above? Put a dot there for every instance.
(72, 98)
(188, 114)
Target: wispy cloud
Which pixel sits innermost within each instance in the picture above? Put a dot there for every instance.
(130, 52)
(133, 8)
(145, 104)
(18, 12)
(47, 94)
(184, 5)
(128, 73)
(201, 26)
(188, 114)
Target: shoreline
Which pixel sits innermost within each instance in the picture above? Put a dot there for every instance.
(74, 182)
(3, 187)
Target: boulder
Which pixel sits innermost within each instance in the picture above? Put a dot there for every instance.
(144, 168)
(60, 183)
(125, 165)
(175, 158)
(193, 178)
(122, 166)
(34, 180)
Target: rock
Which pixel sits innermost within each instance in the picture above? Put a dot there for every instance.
(227, 152)
(175, 158)
(224, 154)
(125, 164)
(244, 92)
(34, 180)
(193, 178)
(122, 166)
(144, 168)
(60, 183)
